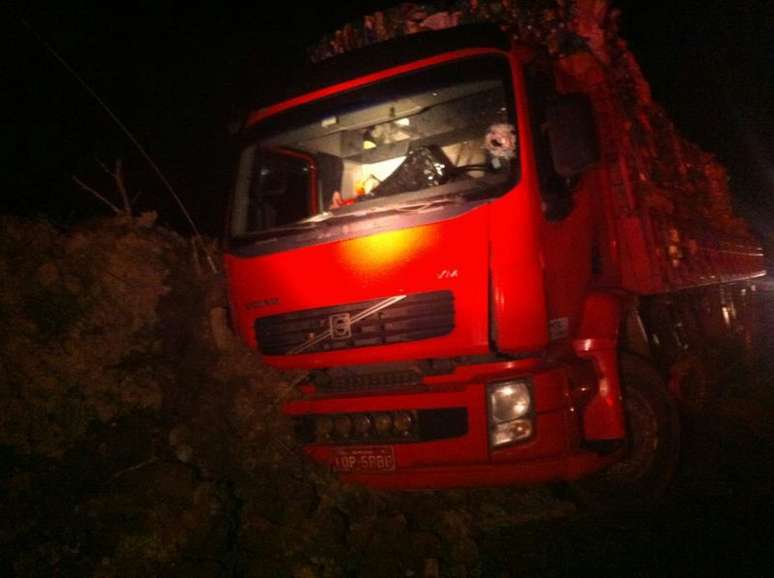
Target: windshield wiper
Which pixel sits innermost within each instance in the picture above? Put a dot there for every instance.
(400, 203)
(408, 206)
(419, 206)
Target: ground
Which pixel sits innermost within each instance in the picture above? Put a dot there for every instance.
(134, 441)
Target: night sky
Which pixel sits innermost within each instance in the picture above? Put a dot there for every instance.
(178, 75)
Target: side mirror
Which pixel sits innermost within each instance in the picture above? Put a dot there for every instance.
(572, 134)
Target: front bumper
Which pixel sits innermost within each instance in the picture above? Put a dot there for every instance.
(554, 452)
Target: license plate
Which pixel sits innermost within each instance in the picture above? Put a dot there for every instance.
(364, 459)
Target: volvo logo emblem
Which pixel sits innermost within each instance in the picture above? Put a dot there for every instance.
(341, 326)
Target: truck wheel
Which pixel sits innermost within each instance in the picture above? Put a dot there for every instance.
(652, 446)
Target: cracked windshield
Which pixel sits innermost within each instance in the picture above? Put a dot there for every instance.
(440, 132)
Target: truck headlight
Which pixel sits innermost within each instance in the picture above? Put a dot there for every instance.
(510, 409)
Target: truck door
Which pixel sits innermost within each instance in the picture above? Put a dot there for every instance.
(566, 229)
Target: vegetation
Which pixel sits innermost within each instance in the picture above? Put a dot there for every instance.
(138, 437)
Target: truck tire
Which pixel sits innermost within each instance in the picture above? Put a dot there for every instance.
(642, 477)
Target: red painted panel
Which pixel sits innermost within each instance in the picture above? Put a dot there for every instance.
(603, 416)
(517, 263)
(404, 261)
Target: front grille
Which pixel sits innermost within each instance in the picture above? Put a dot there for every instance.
(410, 318)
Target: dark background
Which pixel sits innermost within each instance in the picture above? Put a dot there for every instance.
(178, 75)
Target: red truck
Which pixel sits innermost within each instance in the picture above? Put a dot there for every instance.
(470, 247)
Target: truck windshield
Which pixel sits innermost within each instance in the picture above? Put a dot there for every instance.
(444, 131)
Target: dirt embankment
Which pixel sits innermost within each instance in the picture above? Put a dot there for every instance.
(135, 443)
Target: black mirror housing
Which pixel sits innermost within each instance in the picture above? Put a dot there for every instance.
(572, 134)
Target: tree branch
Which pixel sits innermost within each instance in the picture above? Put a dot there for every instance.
(88, 189)
(121, 186)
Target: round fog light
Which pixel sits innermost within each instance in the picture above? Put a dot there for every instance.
(403, 421)
(383, 423)
(323, 426)
(362, 424)
(342, 425)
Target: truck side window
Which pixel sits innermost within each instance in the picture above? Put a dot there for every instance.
(273, 189)
(555, 190)
(280, 191)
